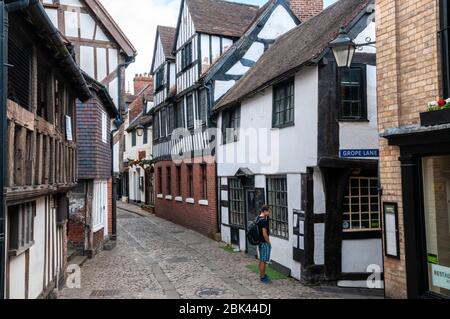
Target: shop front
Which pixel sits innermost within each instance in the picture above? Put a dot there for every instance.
(425, 162)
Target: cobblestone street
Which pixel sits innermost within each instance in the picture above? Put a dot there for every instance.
(155, 258)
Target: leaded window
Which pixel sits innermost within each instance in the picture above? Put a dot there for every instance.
(190, 111)
(277, 198)
(202, 107)
(179, 114)
(352, 93)
(283, 104)
(236, 197)
(361, 205)
(186, 56)
(231, 122)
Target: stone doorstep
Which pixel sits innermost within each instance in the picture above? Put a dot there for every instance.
(78, 260)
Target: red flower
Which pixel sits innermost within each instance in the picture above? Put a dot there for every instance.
(441, 102)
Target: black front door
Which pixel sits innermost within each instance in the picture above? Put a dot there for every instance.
(255, 199)
(251, 213)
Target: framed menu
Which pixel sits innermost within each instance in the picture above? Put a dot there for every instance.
(391, 233)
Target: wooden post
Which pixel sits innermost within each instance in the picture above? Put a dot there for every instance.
(20, 143)
(11, 137)
(47, 160)
(39, 158)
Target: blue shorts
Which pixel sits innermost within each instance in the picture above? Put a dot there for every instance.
(264, 252)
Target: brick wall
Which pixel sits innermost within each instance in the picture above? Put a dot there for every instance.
(143, 84)
(202, 219)
(408, 78)
(94, 156)
(305, 9)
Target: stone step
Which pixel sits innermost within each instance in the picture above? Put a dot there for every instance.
(71, 253)
(78, 260)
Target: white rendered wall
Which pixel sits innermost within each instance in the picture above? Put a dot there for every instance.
(357, 255)
(279, 22)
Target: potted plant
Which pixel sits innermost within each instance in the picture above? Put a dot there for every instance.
(438, 112)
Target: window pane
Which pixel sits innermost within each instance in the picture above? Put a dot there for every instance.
(436, 190)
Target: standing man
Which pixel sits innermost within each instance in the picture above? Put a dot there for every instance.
(265, 246)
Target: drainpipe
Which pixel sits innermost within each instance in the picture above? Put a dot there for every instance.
(4, 9)
(214, 121)
(118, 122)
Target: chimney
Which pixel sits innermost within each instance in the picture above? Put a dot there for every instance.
(305, 9)
(141, 81)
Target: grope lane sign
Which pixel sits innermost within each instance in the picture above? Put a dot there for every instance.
(359, 153)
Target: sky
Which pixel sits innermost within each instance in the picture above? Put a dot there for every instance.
(139, 18)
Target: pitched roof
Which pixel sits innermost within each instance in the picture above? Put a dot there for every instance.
(221, 17)
(112, 27)
(294, 49)
(144, 120)
(167, 36)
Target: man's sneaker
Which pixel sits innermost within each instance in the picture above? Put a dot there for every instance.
(266, 280)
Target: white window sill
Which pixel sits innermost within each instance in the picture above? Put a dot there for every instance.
(169, 197)
(160, 196)
(178, 198)
(190, 200)
(98, 228)
(203, 202)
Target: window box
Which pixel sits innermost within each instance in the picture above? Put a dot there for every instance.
(435, 117)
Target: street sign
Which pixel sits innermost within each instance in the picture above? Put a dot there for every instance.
(359, 153)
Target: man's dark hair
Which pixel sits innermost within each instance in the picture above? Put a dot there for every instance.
(265, 208)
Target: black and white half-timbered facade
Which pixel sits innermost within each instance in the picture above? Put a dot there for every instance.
(43, 83)
(300, 134)
(103, 52)
(215, 44)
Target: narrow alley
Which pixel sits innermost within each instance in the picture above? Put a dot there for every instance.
(155, 258)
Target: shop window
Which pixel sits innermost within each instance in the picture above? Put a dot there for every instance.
(21, 227)
(236, 200)
(361, 205)
(436, 190)
(278, 199)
